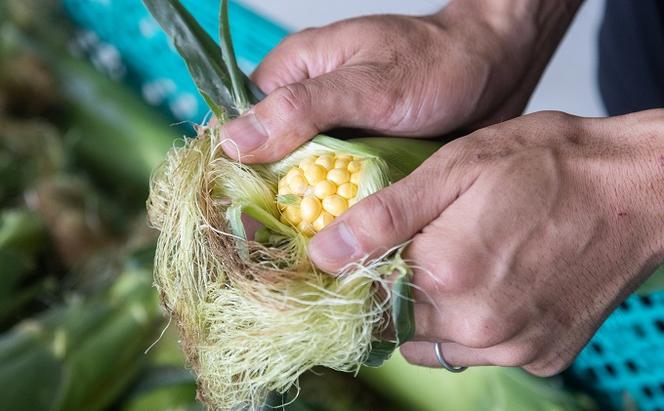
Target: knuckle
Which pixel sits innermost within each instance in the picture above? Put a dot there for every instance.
(482, 333)
(518, 356)
(384, 214)
(546, 368)
(292, 98)
(287, 103)
(457, 151)
(453, 277)
(298, 39)
(566, 124)
(554, 115)
(490, 326)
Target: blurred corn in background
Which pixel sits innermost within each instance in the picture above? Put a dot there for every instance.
(80, 325)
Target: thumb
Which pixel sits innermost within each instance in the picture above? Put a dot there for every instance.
(385, 219)
(294, 113)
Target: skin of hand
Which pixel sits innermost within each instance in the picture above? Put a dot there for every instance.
(526, 235)
(474, 63)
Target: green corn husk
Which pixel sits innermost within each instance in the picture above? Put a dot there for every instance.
(80, 356)
(163, 388)
(29, 150)
(23, 237)
(83, 224)
(482, 388)
(255, 315)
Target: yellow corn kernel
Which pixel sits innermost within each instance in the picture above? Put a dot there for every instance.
(306, 228)
(306, 162)
(298, 185)
(324, 188)
(323, 220)
(338, 176)
(292, 214)
(335, 205)
(326, 161)
(310, 208)
(292, 173)
(284, 190)
(347, 190)
(314, 173)
(354, 166)
(341, 162)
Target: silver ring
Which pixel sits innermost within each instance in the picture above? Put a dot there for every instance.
(443, 363)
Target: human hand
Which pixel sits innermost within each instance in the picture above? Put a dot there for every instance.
(476, 62)
(525, 236)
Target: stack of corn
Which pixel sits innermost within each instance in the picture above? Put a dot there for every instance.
(78, 351)
(81, 355)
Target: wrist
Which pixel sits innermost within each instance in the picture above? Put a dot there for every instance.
(653, 165)
(638, 178)
(514, 20)
(516, 38)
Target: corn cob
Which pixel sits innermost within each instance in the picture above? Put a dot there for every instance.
(22, 238)
(254, 315)
(80, 356)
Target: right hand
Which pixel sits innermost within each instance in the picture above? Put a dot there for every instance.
(395, 75)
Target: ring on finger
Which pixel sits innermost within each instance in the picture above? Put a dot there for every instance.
(441, 360)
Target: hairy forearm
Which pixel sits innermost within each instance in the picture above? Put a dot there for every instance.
(543, 21)
(519, 36)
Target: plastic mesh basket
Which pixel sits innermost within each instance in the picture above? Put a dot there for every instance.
(123, 40)
(622, 364)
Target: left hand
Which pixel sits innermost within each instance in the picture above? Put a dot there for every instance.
(526, 235)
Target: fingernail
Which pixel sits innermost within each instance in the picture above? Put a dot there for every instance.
(334, 247)
(244, 134)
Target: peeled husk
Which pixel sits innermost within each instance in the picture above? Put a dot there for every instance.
(254, 317)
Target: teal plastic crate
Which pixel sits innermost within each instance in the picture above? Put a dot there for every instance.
(123, 40)
(623, 364)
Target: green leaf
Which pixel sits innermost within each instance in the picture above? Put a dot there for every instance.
(214, 70)
(199, 51)
(217, 110)
(228, 56)
(403, 315)
(380, 352)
